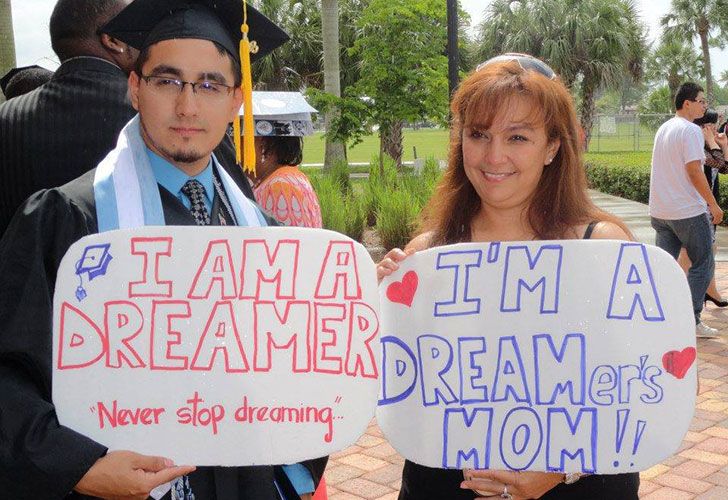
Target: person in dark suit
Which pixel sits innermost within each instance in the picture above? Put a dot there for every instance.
(19, 81)
(190, 43)
(65, 127)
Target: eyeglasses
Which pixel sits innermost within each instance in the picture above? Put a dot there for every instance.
(699, 101)
(525, 61)
(169, 87)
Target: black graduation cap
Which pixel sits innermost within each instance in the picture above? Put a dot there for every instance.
(146, 22)
(10, 74)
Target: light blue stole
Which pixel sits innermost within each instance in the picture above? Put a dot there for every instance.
(127, 194)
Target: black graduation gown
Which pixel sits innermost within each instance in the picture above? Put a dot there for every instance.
(39, 458)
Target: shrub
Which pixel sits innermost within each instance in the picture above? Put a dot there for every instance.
(396, 218)
(371, 201)
(331, 202)
(355, 217)
(341, 213)
(723, 191)
(624, 175)
(388, 176)
(340, 173)
(431, 173)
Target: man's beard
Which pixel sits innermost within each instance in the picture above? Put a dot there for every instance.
(183, 156)
(179, 156)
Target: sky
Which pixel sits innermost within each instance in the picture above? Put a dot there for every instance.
(32, 43)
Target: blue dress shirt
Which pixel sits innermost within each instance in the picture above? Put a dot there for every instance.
(172, 179)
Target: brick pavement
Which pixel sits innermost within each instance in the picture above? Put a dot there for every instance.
(371, 469)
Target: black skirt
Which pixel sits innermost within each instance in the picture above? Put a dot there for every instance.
(424, 483)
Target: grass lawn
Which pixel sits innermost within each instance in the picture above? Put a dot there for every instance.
(434, 142)
(429, 142)
(625, 137)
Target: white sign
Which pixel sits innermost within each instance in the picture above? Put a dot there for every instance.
(217, 346)
(607, 125)
(574, 356)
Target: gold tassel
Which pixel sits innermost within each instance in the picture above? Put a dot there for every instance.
(248, 157)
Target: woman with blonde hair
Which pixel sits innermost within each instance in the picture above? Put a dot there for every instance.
(515, 173)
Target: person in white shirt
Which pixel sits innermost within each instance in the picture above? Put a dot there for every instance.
(682, 206)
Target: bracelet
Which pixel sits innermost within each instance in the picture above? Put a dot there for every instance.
(572, 477)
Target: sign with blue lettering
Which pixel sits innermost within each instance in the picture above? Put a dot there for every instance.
(572, 356)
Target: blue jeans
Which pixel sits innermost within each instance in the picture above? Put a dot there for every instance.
(694, 234)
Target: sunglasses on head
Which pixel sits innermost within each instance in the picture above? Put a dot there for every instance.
(525, 61)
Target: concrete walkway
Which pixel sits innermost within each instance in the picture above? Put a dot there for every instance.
(371, 469)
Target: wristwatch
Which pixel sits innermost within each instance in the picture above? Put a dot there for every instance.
(572, 477)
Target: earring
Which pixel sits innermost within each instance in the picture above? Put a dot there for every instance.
(262, 158)
(549, 160)
(121, 51)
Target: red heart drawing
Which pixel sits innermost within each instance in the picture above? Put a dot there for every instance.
(677, 363)
(403, 292)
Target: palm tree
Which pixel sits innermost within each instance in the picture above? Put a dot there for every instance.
(7, 41)
(673, 62)
(297, 64)
(706, 20)
(724, 77)
(335, 151)
(591, 44)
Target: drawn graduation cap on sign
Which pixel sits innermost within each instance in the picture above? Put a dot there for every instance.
(94, 263)
(281, 114)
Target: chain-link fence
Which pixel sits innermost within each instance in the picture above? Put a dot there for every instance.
(625, 132)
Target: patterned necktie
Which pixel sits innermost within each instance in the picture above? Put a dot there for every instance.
(195, 192)
(181, 489)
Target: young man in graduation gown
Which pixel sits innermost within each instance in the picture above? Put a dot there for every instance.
(186, 90)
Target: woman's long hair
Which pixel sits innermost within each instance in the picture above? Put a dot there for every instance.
(560, 201)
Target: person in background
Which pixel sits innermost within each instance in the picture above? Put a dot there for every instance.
(19, 81)
(64, 128)
(515, 173)
(682, 206)
(716, 149)
(281, 189)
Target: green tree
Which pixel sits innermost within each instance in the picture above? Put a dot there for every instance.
(297, 64)
(300, 63)
(591, 44)
(657, 102)
(706, 20)
(335, 150)
(7, 40)
(467, 49)
(672, 62)
(403, 73)
(724, 77)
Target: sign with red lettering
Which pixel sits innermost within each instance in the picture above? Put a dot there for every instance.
(217, 346)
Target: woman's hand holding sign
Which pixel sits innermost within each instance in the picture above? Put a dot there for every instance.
(390, 263)
(509, 484)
